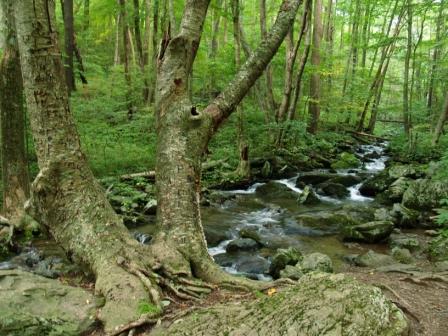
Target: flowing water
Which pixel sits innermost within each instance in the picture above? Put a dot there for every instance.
(275, 220)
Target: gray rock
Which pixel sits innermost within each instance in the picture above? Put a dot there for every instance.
(405, 240)
(404, 217)
(333, 190)
(371, 232)
(316, 262)
(346, 180)
(32, 305)
(242, 244)
(275, 190)
(251, 233)
(314, 178)
(402, 255)
(252, 265)
(372, 259)
(425, 194)
(376, 184)
(441, 266)
(282, 258)
(308, 197)
(397, 189)
(438, 248)
(406, 171)
(321, 304)
(382, 214)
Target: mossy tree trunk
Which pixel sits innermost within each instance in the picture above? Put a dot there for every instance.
(68, 200)
(14, 161)
(184, 132)
(66, 197)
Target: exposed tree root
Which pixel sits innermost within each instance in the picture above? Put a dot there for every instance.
(422, 279)
(400, 302)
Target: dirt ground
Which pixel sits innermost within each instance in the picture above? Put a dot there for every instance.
(425, 301)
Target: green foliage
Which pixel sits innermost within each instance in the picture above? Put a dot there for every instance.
(145, 307)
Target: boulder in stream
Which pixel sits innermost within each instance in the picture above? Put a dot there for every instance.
(376, 184)
(314, 178)
(314, 262)
(275, 190)
(242, 244)
(321, 304)
(348, 180)
(282, 258)
(33, 305)
(331, 189)
(370, 232)
(345, 161)
(308, 197)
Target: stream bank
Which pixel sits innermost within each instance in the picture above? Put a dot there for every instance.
(354, 214)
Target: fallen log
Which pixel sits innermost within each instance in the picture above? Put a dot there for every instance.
(369, 135)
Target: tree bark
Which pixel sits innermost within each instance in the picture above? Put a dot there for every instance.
(184, 131)
(435, 58)
(69, 38)
(86, 15)
(126, 51)
(406, 111)
(13, 152)
(66, 197)
(68, 200)
(270, 99)
(314, 103)
(441, 122)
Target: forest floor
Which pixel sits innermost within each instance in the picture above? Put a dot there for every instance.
(425, 302)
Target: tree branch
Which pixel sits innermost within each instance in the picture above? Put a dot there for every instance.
(223, 105)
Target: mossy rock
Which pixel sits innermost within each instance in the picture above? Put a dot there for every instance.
(438, 248)
(425, 194)
(346, 161)
(31, 305)
(321, 304)
(282, 258)
(370, 232)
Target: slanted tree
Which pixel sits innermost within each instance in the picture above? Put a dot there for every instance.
(13, 152)
(70, 202)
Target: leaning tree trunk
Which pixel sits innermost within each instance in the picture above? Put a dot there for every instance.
(14, 162)
(66, 197)
(184, 132)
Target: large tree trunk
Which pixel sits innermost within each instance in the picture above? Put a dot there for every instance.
(68, 200)
(314, 104)
(66, 197)
(14, 161)
(69, 37)
(184, 131)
